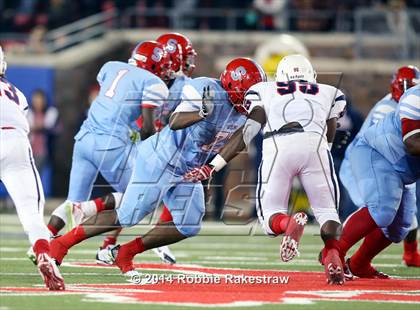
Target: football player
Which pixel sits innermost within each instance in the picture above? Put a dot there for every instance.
(404, 78)
(384, 160)
(298, 117)
(107, 140)
(203, 122)
(182, 55)
(20, 176)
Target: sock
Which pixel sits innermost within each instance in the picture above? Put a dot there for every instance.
(374, 243)
(41, 246)
(73, 237)
(100, 206)
(165, 216)
(332, 244)
(279, 223)
(110, 240)
(92, 207)
(410, 247)
(132, 248)
(358, 225)
(52, 229)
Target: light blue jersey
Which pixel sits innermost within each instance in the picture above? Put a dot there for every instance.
(383, 171)
(124, 90)
(167, 156)
(386, 137)
(378, 112)
(193, 146)
(103, 142)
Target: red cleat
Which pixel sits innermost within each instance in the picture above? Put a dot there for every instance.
(122, 259)
(333, 267)
(411, 257)
(367, 271)
(50, 273)
(57, 250)
(291, 238)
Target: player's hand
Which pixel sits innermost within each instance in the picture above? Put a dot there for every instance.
(199, 174)
(341, 139)
(207, 102)
(135, 136)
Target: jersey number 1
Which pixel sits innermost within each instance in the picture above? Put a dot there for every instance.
(111, 90)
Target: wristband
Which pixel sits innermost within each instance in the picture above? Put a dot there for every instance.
(218, 162)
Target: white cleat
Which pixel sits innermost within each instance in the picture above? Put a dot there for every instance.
(32, 256)
(74, 215)
(165, 255)
(50, 273)
(104, 256)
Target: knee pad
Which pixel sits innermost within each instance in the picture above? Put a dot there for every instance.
(189, 230)
(117, 199)
(60, 211)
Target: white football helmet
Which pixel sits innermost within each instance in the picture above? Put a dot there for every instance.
(3, 64)
(295, 67)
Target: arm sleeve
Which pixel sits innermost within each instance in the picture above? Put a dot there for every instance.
(253, 98)
(154, 95)
(338, 106)
(410, 115)
(191, 100)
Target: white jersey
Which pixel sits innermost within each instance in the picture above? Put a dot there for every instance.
(13, 107)
(309, 104)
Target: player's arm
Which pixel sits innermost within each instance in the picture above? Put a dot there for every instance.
(148, 122)
(154, 95)
(237, 143)
(412, 144)
(337, 111)
(189, 112)
(409, 111)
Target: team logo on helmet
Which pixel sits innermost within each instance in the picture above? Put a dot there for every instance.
(238, 73)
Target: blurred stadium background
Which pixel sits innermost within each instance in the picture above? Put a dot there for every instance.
(55, 48)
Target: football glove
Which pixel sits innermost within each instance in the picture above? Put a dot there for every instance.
(199, 174)
(207, 102)
(134, 136)
(341, 139)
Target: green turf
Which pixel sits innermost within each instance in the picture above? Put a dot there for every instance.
(217, 246)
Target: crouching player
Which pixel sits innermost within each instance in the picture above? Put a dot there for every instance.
(20, 176)
(299, 118)
(404, 78)
(203, 122)
(182, 55)
(384, 160)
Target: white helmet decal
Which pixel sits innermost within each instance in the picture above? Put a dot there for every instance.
(295, 67)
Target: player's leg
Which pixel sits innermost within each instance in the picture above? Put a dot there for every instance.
(382, 197)
(21, 179)
(275, 177)
(141, 197)
(320, 184)
(82, 176)
(186, 202)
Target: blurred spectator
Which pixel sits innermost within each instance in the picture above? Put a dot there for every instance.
(43, 120)
(271, 11)
(36, 42)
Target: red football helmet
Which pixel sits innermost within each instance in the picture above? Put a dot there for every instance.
(240, 74)
(181, 52)
(405, 78)
(152, 56)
